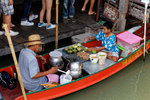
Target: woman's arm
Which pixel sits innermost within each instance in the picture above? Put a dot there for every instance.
(96, 48)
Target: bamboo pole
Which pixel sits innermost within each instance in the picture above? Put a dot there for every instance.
(145, 18)
(15, 59)
(56, 41)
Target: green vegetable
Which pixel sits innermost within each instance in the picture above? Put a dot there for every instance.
(85, 49)
(75, 46)
(70, 47)
(75, 51)
(69, 51)
(79, 44)
(93, 51)
(79, 48)
(65, 49)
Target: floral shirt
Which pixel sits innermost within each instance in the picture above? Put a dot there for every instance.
(108, 42)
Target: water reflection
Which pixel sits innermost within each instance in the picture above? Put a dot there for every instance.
(131, 83)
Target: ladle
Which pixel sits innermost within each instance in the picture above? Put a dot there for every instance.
(67, 73)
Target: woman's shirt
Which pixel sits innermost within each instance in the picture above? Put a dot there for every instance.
(108, 42)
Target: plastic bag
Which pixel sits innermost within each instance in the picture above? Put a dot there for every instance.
(65, 78)
(7, 81)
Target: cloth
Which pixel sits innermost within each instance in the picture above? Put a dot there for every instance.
(53, 78)
(6, 8)
(29, 68)
(27, 10)
(108, 42)
(68, 10)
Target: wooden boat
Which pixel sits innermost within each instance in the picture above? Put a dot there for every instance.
(86, 80)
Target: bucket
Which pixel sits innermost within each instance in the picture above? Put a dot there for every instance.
(65, 78)
(53, 78)
(102, 57)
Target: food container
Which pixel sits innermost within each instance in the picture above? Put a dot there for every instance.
(56, 58)
(93, 58)
(128, 40)
(102, 57)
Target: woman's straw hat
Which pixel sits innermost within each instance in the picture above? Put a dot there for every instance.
(33, 40)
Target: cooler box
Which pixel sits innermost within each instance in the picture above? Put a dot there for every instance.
(128, 40)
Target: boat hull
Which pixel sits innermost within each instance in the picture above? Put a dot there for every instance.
(87, 80)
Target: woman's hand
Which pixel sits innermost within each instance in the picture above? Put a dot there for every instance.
(53, 70)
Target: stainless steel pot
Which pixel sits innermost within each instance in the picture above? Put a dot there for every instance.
(75, 74)
(56, 58)
(75, 66)
(75, 69)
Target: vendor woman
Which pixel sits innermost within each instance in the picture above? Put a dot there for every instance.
(29, 68)
(108, 42)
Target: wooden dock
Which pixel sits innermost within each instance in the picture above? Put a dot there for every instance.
(65, 30)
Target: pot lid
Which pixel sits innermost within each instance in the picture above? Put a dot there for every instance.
(55, 53)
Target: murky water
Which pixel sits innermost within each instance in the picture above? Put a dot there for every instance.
(131, 83)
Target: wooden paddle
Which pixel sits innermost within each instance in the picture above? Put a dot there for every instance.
(5, 27)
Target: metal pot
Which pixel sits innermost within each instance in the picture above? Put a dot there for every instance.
(75, 66)
(75, 69)
(75, 74)
(56, 58)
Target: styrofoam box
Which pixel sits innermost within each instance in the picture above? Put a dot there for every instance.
(128, 40)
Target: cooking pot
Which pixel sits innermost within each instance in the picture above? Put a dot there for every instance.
(75, 69)
(75, 74)
(56, 58)
(75, 66)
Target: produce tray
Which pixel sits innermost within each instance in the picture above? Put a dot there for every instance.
(74, 57)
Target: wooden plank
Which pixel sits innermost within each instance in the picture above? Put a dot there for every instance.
(18, 39)
(98, 8)
(123, 8)
(137, 11)
(138, 2)
(114, 3)
(2, 44)
(64, 28)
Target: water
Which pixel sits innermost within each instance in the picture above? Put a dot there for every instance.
(131, 83)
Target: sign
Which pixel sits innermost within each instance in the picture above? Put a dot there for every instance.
(110, 12)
